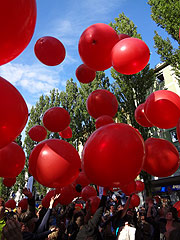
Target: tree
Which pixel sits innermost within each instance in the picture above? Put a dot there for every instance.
(131, 90)
(166, 13)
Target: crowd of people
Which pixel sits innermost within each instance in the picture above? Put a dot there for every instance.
(114, 219)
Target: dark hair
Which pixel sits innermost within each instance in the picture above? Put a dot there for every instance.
(174, 212)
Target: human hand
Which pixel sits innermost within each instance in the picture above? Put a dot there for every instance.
(27, 193)
(53, 200)
(12, 231)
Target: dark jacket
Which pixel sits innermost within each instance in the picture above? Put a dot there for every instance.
(90, 230)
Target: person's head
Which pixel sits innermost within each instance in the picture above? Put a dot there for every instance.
(78, 218)
(149, 200)
(172, 214)
(112, 208)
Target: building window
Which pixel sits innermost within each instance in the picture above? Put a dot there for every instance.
(173, 136)
(160, 77)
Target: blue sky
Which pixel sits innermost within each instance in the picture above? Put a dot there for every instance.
(66, 20)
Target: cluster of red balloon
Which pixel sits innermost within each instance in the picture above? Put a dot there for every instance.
(14, 39)
(100, 47)
(161, 109)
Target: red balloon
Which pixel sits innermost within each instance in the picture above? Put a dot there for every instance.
(122, 36)
(103, 120)
(12, 160)
(66, 133)
(46, 200)
(50, 51)
(135, 200)
(130, 56)
(113, 155)
(54, 163)
(82, 180)
(101, 102)
(95, 46)
(129, 188)
(17, 27)
(162, 108)
(9, 182)
(84, 74)
(88, 192)
(94, 203)
(56, 119)
(23, 204)
(37, 133)
(10, 204)
(14, 111)
(161, 158)
(141, 117)
(177, 205)
(68, 193)
(139, 186)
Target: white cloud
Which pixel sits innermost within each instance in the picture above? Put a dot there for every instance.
(34, 79)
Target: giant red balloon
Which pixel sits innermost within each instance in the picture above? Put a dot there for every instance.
(139, 186)
(14, 112)
(66, 133)
(135, 200)
(49, 50)
(101, 102)
(68, 193)
(54, 163)
(12, 160)
(84, 74)
(103, 120)
(56, 119)
(130, 56)
(129, 188)
(94, 203)
(141, 117)
(9, 182)
(37, 133)
(113, 155)
(10, 204)
(161, 158)
(17, 23)
(82, 180)
(23, 204)
(162, 108)
(88, 192)
(95, 46)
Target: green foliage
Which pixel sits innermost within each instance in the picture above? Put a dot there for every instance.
(166, 13)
